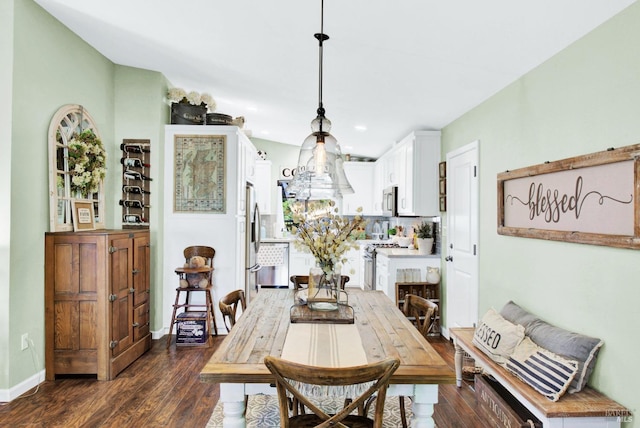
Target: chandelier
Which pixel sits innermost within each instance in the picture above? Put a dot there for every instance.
(320, 173)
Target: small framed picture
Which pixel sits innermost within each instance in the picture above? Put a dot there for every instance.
(83, 215)
(442, 169)
(443, 203)
(443, 186)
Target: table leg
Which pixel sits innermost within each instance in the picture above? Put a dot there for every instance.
(233, 405)
(458, 361)
(424, 397)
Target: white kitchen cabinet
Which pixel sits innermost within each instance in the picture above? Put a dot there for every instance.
(382, 275)
(378, 173)
(263, 186)
(250, 153)
(353, 267)
(300, 261)
(386, 270)
(360, 175)
(418, 156)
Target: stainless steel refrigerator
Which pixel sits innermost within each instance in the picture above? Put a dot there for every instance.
(252, 243)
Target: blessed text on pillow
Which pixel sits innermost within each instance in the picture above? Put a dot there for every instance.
(497, 337)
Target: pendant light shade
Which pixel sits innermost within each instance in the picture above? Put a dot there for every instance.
(320, 173)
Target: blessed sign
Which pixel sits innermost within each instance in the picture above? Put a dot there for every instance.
(589, 199)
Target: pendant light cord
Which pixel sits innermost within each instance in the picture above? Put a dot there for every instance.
(321, 38)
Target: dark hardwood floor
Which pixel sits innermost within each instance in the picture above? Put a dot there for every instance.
(162, 389)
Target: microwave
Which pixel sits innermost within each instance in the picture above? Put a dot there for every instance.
(390, 201)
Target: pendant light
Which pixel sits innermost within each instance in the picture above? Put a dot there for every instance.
(320, 173)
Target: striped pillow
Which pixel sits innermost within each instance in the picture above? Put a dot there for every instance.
(546, 372)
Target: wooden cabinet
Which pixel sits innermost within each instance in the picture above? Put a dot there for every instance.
(96, 301)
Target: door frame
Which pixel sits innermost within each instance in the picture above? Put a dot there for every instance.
(474, 147)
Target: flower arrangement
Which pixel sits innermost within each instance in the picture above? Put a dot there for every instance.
(179, 95)
(87, 162)
(325, 234)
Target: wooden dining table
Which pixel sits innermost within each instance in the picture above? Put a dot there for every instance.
(238, 364)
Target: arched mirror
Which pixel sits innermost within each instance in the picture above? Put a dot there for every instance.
(69, 122)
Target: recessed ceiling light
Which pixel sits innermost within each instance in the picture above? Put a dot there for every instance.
(252, 108)
(360, 128)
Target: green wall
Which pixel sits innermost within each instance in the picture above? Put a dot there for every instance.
(141, 113)
(48, 66)
(584, 100)
(52, 67)
(6, 82)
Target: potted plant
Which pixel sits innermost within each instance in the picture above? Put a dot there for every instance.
(424, 234)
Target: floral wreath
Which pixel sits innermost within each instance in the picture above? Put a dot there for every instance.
(87, 162)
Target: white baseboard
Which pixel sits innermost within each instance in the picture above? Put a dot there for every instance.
(7, 395)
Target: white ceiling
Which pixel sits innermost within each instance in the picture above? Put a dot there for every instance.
(390, 66)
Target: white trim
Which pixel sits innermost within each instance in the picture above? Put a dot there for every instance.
(7, 395)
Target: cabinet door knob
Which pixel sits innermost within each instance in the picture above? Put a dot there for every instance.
(448, 259)
(135, 271)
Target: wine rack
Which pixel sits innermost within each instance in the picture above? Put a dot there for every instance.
(136, 180)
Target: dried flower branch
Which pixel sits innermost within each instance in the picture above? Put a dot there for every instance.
(326, 235)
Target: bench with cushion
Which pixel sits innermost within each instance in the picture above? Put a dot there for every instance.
(519, 335)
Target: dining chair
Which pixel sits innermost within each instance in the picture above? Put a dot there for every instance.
(229, 306)
(422, 312)
(376, 374)
(302, 281)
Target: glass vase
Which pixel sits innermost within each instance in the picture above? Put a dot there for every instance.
(324, 289)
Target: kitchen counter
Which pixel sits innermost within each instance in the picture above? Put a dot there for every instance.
(276, 240)
(404, 253)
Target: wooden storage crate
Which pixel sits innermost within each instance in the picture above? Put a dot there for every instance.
(499, 408)
(192, 329)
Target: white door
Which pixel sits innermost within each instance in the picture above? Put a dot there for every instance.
(462, 237)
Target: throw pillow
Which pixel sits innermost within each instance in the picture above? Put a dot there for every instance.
(497, 337)
(546, 372)
(571, 345)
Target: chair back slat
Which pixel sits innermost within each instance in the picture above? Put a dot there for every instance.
(229, 307)
(302, 281)
(422, 310)
(378, 373)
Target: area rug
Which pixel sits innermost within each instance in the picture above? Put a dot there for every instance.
(262, 412)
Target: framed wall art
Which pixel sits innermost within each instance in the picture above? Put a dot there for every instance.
(589, 199)
(199, 173)
(83, 215)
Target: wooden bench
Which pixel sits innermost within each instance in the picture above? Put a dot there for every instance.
(587, 408)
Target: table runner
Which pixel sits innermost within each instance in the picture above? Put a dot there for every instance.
(326, 345)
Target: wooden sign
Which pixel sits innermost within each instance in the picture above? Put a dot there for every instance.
(590, 199)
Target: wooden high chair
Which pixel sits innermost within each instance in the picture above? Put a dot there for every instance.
(195, 280)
